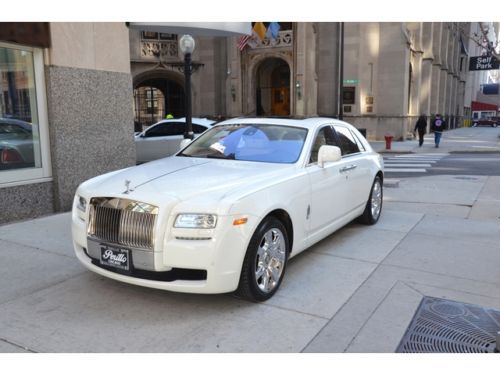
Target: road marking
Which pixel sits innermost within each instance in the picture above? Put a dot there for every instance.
(407, 165)
(406, 170)
(411, 163)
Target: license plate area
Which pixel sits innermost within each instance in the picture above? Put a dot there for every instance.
(115, 257)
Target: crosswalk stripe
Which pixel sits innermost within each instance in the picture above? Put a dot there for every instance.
(411, 163)
(407, 170)
(407, 165)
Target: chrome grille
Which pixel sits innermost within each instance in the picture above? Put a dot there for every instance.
(122, 221)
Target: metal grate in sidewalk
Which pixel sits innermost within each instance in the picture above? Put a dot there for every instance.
(443, 326)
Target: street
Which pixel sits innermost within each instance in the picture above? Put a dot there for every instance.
(404, 165)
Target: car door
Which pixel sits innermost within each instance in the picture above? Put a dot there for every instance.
(159, 141)
(358, 173)
(329, 188)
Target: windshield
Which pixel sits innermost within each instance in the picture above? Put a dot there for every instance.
(249, 142)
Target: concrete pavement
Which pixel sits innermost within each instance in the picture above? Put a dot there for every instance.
(466, 140)
(355, 291)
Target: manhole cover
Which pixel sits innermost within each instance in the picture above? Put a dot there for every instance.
(443, 326)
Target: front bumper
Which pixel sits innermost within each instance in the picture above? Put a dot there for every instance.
(177, 253)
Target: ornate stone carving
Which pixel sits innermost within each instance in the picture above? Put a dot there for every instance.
(154, 50)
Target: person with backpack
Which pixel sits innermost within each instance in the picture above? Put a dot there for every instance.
(421, 127)
(438, 126)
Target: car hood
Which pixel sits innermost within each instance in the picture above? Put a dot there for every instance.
(183, 178)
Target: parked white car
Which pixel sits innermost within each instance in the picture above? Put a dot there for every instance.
(163, 138)
(228, 211)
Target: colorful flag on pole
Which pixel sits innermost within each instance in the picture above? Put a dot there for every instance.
(273, 31)
(243, 41)
(260, 29)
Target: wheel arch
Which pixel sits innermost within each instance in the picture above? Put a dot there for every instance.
(283, 216)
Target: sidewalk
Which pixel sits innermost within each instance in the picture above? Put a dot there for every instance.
(355, 291)
(466, 140)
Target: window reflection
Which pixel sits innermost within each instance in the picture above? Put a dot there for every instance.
(19, 131)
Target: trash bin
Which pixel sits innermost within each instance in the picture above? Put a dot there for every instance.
(362, 131)
(388, 141)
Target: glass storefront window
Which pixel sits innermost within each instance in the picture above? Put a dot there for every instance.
(23, 130)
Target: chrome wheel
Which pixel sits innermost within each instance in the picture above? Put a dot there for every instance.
(270, 260)
(376, 199)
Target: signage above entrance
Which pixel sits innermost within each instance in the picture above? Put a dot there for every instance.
(483, 63)
(351, 81)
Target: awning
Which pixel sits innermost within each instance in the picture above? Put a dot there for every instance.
(478, 106)
(195, 28)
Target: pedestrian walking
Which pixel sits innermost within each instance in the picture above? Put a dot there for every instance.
(438, 125)
(421, 127)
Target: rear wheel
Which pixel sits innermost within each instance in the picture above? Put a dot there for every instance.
(265, 261)
(373, 207)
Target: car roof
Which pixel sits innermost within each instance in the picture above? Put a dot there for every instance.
(308, 123)
(195, 120)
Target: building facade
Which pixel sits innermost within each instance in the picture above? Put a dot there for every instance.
(65, 113)
(71, 94)
(392, 73)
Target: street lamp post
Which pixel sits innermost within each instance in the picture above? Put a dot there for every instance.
(186, 45)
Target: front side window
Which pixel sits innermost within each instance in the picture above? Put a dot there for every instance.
(24, 145)
(249, 142)
(348, 144)
(325, 137)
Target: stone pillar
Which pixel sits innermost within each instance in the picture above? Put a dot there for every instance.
(89, 97)
(305, 70)
(427, 61)
(328, 73)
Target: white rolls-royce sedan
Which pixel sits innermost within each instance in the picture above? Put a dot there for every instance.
(229, 210)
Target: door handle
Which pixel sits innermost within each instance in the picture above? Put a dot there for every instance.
(348, 168)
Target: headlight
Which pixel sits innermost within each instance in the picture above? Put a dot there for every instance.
(81, 203)
(198, 221)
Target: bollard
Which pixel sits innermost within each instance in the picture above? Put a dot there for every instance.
(388, 141)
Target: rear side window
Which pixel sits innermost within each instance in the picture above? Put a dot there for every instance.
(198, 129)
(165, 129)
(347, 141)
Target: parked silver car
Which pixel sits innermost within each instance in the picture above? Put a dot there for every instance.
(16, 144)
(164, 138)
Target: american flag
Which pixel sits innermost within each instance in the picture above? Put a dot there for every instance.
(243, 41)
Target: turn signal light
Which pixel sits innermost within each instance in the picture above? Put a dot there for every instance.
(240, 221)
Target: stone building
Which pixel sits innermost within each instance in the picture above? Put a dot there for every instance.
(65, 114)
(74, 90)
(392, 73)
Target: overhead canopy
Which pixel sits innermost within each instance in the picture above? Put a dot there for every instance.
(196, 28)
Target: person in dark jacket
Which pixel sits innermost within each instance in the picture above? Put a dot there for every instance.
(421, 127)
(438, 126)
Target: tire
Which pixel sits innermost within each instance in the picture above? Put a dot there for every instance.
(474, 124)
(263, 270)
(373, 207)
(494, 125)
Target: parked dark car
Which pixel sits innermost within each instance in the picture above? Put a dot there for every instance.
(486, 121)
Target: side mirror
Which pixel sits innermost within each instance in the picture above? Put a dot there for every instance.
(184, 143)
(328, 154)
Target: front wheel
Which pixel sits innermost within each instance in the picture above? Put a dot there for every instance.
(265, 261)
(373, 207)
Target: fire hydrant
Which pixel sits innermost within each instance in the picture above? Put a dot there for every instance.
(388, 141)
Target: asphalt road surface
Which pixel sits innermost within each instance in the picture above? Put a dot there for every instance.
(466, 164)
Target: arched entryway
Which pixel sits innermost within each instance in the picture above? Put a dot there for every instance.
(273, 88)
(156, 94)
